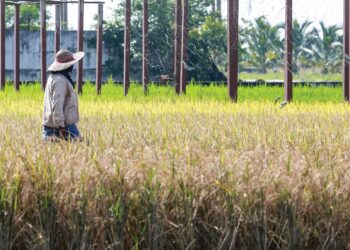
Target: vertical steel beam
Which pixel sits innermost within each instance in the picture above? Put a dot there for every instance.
(43, 42)
(64, 16)
(177, 46)
(17, 50)
(288, 54)
(184, 46)
(232, 47)
(346, 48)
(218, 7)
(99, 39)
(127, 47)
(145, 75)
(80, 45)
(2, 45)
(57, 27)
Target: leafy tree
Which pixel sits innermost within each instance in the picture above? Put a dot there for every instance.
(207, 49)
(207, 40)
(302, 43)
(29, 16)
(326, 48)
(264, 44)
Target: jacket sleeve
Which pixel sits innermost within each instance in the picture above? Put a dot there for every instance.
(58, 94)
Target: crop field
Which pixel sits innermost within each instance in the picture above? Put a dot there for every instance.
(188, 172)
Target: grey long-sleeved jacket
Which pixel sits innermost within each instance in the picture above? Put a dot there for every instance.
(60, 102)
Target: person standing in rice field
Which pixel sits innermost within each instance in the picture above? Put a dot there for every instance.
(61, 112)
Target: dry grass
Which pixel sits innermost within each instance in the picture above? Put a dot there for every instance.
(177, 175)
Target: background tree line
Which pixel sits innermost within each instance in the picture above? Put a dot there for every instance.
(261, 43)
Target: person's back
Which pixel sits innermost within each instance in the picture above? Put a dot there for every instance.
(61, 111)
(60, 102)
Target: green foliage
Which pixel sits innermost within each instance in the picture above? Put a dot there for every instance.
(327, 48)
(302, 42)
(29, 16)
(207, 50)
(265, 46)
(206, 40)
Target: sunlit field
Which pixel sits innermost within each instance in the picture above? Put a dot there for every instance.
(178, 172)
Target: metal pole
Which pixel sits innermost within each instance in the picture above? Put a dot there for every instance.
(64, 16)
(80, 45)
(2, 45)
(57, 27)
(232, 47)
(99, 40)
(184, 45)
(43, 43)
(346, 47)
(17, 49)
(145, 75)
(288, 55)
(218, 7)
(177, 51)
(127, 47)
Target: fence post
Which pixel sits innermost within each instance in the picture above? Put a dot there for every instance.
(177, 50)
(232, 47)
(99, 39)
(64, 15)
(80, 45)
(2, 45)
(184, 47)
(346, 48)
(43, 42)
(288, 54)
(126, 79)
(145, 76)
(16, 48)
(218, 7)
(57, 27)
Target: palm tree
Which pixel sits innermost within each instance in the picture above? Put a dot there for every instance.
(264, 45)
(302, 43)
(326, 49)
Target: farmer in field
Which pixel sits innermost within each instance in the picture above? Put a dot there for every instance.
(61, 111)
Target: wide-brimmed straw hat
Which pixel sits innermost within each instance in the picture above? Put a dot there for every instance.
(64, 59)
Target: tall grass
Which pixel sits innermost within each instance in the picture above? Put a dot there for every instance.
(168, 172)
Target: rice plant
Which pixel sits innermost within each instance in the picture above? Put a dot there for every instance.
(168, 172)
